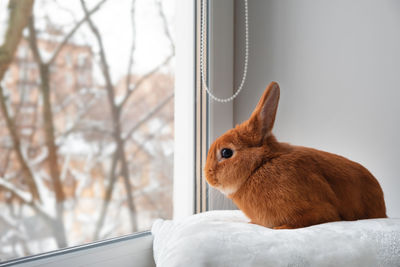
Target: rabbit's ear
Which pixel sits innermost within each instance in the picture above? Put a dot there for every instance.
(263, 117)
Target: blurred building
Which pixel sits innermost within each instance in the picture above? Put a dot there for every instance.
(71, 72)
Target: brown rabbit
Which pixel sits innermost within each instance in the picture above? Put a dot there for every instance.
(282, 186)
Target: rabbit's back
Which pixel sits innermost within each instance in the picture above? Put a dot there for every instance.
(357, 194)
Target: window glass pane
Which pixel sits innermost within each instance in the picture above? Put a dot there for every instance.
(86, 144)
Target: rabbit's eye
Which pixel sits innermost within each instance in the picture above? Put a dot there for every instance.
(226, 153)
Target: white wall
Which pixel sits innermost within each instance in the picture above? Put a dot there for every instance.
(338, 65)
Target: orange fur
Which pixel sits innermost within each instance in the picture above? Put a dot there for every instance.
(282, 186)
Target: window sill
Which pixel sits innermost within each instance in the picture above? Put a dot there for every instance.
(119, 252)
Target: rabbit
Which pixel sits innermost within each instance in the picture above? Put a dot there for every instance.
(281, 186)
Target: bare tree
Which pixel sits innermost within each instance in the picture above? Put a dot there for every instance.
(38, 175)
(116, 110)
(19, 12)
(18, 18)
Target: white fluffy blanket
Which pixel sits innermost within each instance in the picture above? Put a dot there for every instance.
(224, 238)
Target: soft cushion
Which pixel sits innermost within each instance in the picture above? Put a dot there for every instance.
(225, 238)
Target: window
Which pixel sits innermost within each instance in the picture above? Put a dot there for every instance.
(82, 60)
(22, 52)
(68, 80)
(97, 161)
(68, 59)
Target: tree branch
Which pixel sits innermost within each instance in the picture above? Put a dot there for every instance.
(142, 79)
(78, 118)
(20, 12)
(73, 30)
(110, 188)
(149, 137)
(25, 199)
(149, 115)
(17, 147)
(33, 41)
(104, 64)
(47, 117)
(57, 224)
(133, 46)
(21, 195)
(158, 67)
(165, 24)
(4, 168)
(115, 113)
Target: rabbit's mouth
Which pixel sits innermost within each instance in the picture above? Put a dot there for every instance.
(226, 190)
(211, 179)
(213, 182)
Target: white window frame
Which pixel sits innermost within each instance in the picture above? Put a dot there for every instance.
(184, 120)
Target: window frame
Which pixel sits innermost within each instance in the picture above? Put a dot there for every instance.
(140, 243)
(90, 254)
(202, 112)
(184, 185)
(215, 118)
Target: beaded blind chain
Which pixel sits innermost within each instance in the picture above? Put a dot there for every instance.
(246, 58)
